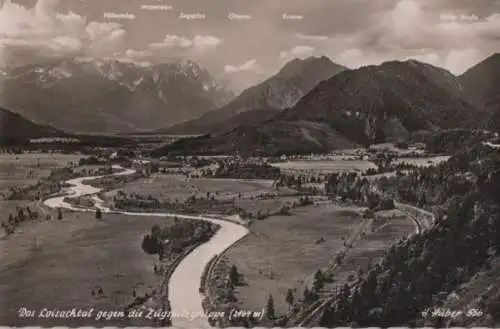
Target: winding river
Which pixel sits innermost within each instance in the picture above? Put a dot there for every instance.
(185, 281)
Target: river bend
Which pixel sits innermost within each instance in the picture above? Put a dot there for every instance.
(184, 283)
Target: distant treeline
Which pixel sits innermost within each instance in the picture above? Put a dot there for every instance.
(76, 142)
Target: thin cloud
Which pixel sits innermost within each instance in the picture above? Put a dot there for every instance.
(297, 52)
(311, 37)
(175, 47)
(250, 65)
(173, 41)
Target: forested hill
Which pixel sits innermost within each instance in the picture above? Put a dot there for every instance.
(369, 105)
(15, 129)
(455, 264)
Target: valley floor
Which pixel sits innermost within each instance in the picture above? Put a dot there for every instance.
(284, 252)
(64, 261)
(57, 264)
(21, 170)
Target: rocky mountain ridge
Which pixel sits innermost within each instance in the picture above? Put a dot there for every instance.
(91, 95)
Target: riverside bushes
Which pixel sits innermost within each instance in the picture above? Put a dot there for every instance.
(177, 237)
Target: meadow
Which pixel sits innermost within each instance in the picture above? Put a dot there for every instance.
(281, 251)
(181, 188)
(284, 252)
(72, 258)
(21, 170)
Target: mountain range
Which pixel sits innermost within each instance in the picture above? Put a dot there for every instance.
(88, 95)
(311, 105)
(372, 104)
(281, 91)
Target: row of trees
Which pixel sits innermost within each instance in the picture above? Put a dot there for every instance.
(98, 214)
(25, 214)
(22, 215)
(244, 170)
(112, 182)
(192, 204)
(175, 238)
(49, 185)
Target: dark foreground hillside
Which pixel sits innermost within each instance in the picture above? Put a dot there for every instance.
(453, 265)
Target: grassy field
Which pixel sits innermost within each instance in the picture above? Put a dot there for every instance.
(57, 264)
(326, 166)
(178, 187)
(268, 205)
(282, 251)
(19, 170)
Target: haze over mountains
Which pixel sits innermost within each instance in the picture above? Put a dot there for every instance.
(88, 95)
(281, 91)
(311, 105)
(372, 104)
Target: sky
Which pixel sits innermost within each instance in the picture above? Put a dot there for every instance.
(242, 42)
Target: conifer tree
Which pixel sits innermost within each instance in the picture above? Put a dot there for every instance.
(319, 280)
(270, 307)
(233, 275)
(289, 297)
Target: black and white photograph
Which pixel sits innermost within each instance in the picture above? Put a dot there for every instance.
(250, 163)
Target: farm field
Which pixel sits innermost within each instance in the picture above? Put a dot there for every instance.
(19, 170)
(71, 257)
(326, 166)
(281, 251)
(267, 205)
